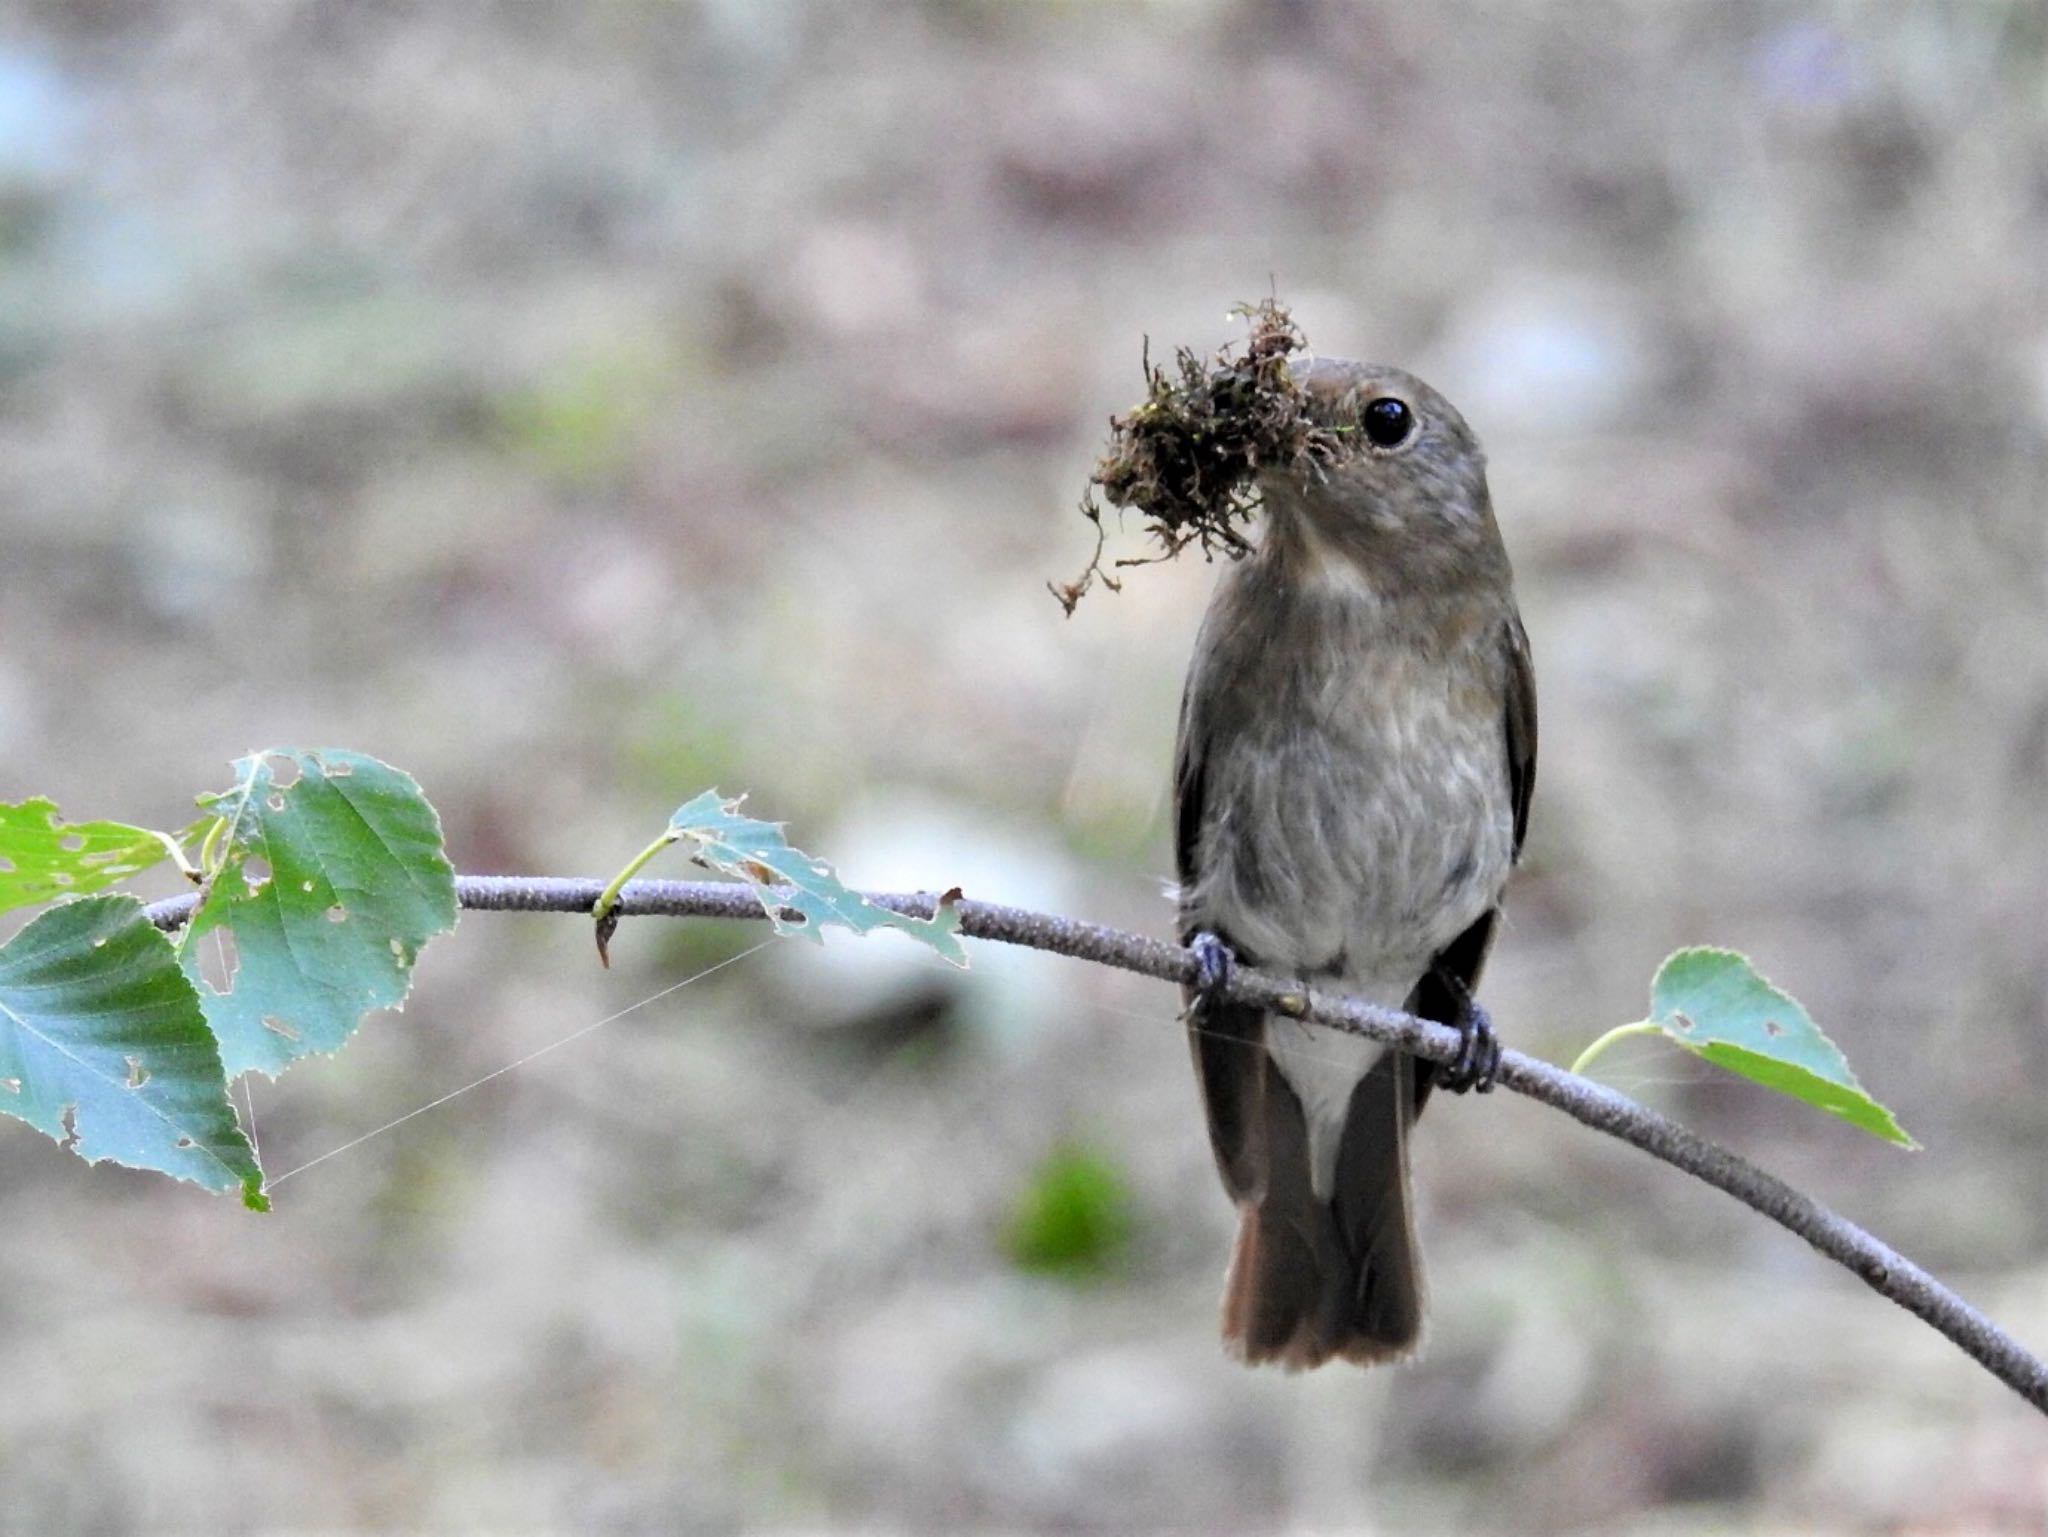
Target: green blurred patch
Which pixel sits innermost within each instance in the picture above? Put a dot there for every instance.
(581, 420)
(687, 946)
(336, 351)
(1103, 832)
(673, 744)
(1074, 1218)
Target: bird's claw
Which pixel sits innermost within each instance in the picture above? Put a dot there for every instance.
(1214, 964)
(1478, 1059)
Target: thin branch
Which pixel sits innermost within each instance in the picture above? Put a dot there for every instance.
(1883, 1268)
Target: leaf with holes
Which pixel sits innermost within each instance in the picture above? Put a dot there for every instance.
(800, 894)
(330, 880)
(103, 1047)
(1715, 1003)
(43, 858)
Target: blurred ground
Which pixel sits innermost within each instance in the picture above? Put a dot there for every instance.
(580, 406)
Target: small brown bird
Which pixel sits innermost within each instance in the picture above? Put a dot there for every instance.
(1357, 748)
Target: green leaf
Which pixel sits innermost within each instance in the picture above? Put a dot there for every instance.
(800, 894)
(1714, 1002)
(1074, 1217)
(103, 1047)
(43, 858)
(330, 880)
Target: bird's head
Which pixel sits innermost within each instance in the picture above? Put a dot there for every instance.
(1403, 496)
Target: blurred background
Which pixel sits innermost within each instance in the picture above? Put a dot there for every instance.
(583, 406)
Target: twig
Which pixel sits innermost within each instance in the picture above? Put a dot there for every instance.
(1883, 1268)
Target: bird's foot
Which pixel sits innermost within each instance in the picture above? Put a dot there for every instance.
(1214, 964)
(1478, 1058)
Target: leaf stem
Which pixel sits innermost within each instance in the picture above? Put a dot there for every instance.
(209, 846)
(1618, 1033)
(602, 909)
(185, 866)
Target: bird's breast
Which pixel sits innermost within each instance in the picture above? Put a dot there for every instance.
(1360, 819)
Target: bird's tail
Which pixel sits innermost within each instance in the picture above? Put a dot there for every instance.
(1313, 1280)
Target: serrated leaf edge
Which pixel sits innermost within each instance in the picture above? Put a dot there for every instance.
(237, 1180)
(1854, 1084)
(943, 909)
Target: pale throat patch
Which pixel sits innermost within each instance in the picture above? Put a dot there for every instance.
(1331, 569)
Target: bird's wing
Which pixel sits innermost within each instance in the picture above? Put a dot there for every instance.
(1521, 725)
(1190, 757)
(1453, 975)
(1228, 1040)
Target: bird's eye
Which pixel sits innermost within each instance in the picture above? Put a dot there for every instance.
(1388, 421)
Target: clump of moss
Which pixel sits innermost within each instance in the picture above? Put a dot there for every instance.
(1188, 455)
